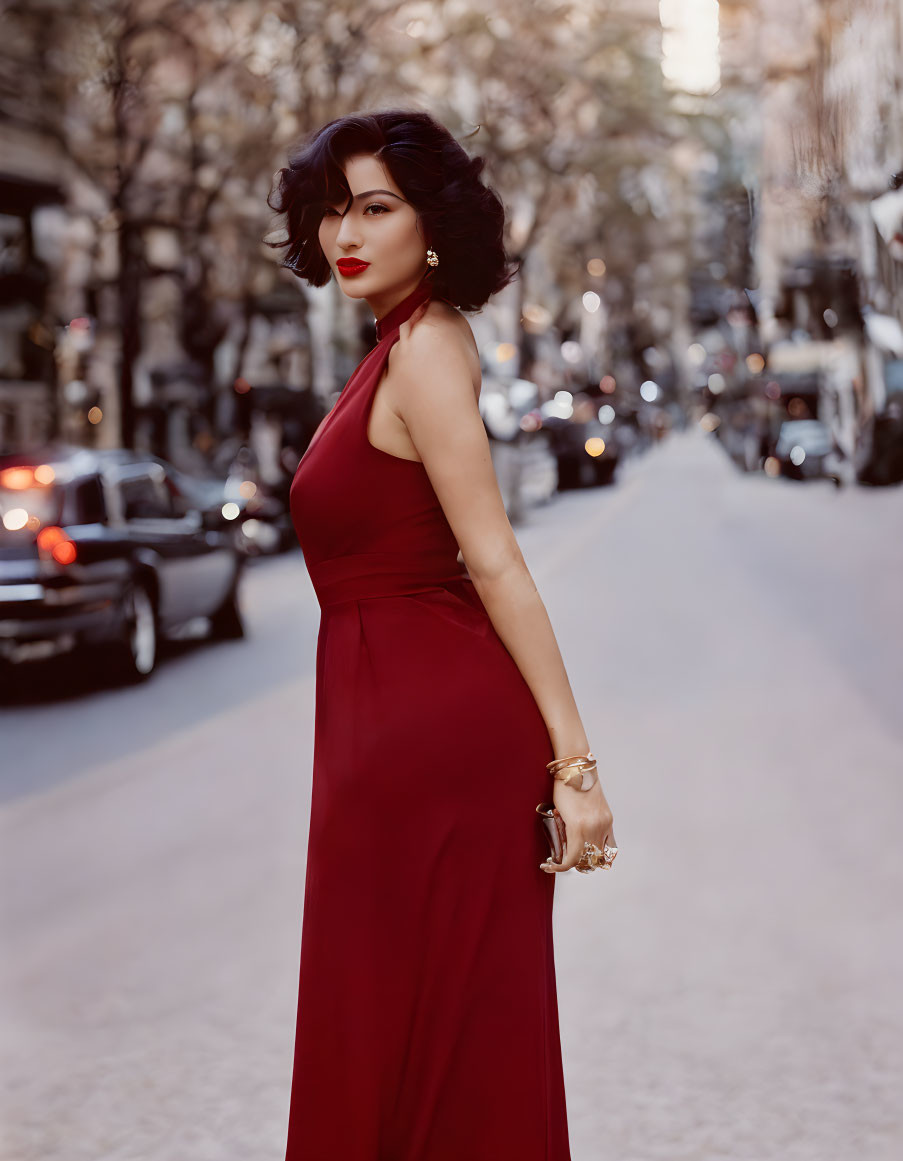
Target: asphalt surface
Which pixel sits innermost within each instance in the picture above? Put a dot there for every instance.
(732, 989)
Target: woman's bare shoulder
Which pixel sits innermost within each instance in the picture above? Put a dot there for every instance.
(442, 328)
(439, 316)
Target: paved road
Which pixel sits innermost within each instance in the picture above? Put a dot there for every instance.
(731, 990)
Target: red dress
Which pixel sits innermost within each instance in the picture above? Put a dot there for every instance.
(427, 1012)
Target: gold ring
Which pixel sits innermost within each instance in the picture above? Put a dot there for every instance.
(590, 859)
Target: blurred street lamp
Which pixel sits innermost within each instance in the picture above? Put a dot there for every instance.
(591, 301)
(649, 391)
(536, 319)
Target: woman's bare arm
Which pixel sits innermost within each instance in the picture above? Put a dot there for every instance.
(433, 394)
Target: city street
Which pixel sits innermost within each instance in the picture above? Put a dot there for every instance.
(731, 990)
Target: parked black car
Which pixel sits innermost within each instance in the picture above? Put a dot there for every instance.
(586, 451)
(110, 549)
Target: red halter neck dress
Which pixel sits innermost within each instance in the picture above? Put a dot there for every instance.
(427, 1024)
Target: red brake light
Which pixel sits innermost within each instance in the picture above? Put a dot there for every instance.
(64, 552)
(21, 479)
(50, 536)
(58, 543)
(17, 479)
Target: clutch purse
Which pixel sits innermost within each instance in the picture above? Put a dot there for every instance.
(553, 828)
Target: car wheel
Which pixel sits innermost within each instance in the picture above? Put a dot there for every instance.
(135, 654)
(226, 624)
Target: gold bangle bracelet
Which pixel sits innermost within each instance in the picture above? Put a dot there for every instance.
(588, 777)
(578, 771)
(558, 763)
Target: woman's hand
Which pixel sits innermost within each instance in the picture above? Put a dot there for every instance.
(587, 818)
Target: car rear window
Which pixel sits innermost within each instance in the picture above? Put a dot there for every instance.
(85, 503)
(145, 498)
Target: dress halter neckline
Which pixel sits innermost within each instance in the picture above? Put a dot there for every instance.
(403, 310)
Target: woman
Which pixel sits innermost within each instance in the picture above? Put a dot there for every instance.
(427, 1012)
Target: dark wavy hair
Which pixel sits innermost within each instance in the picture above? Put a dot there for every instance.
(463, 219)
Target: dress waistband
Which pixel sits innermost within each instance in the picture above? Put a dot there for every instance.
(360, 576)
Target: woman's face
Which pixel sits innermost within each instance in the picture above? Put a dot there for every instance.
(377, 227)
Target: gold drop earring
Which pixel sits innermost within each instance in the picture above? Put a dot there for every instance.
(432, 258)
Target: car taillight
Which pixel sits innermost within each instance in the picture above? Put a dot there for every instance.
(20, 479)
(53, 541)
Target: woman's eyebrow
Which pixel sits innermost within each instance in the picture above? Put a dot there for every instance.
(370, 192)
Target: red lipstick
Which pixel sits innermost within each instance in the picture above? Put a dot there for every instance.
(351, 266)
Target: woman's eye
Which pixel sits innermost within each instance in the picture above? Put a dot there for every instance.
(329, 212)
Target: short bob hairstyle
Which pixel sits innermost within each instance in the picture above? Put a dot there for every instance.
(462, 219)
